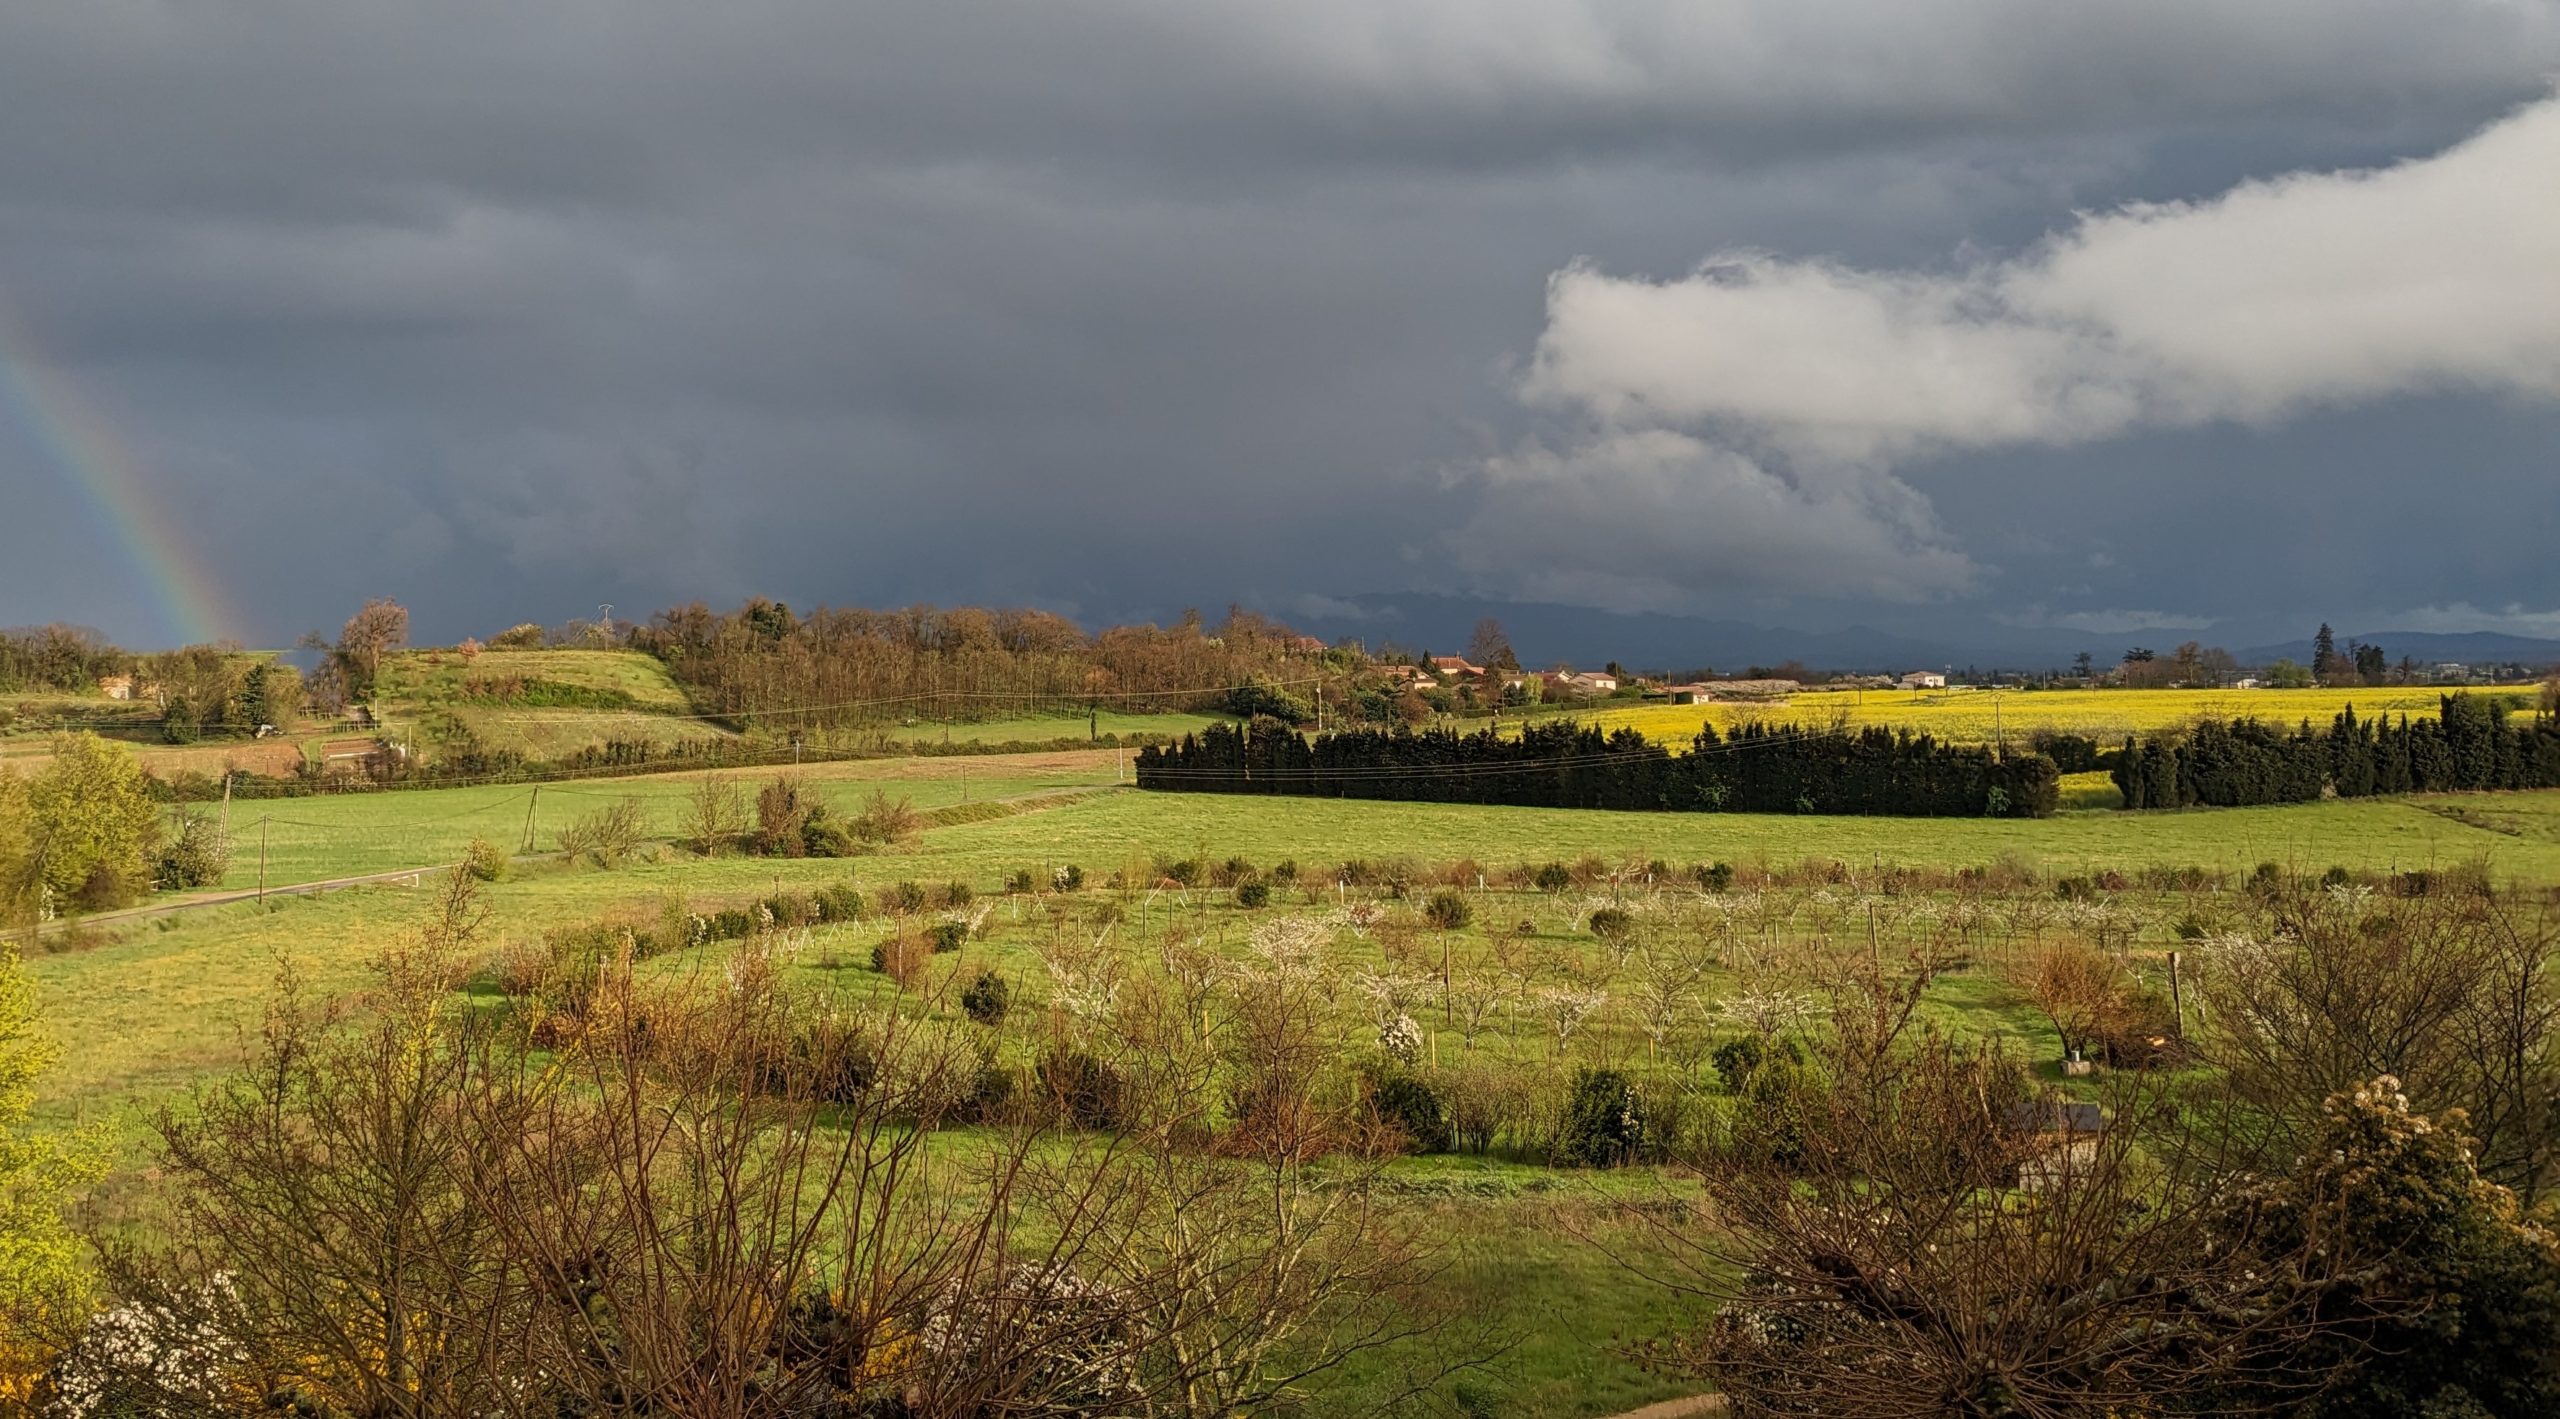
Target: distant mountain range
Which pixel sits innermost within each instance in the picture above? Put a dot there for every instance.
(1544, 634)
(2427, 648)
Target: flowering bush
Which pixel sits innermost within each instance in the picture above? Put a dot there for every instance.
(153, 1359)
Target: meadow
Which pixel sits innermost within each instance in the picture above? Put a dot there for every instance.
(1538, 1254)
(147, 1011)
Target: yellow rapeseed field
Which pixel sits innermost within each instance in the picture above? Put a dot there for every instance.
(1972, 716)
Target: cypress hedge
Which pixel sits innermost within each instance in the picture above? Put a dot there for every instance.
(2229, 763)
(1756, 769)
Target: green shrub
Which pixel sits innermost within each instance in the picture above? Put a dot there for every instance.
(1612, 924)
(991, 1094)
(1554, 877)
(1084, 1090)
(1715, 876)
(1068, 878)
(886, 820)
(947, 936)
(732, 924)
(823, 836)
(1447, 910)
(608, 835)
(1737, 1060)
(1182, 873)
(2336, 877)
(987, 999)
(195, 856)
(841, 901)
(902, 899)
(957, 894)
(1021, 883)
(1407, 1102)
(1603, 1121)
(1286, 872)
(485, 860)
(1253, 894)
(839, 1064)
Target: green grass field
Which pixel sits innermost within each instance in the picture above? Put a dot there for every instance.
(353, 834)
(159, 1007)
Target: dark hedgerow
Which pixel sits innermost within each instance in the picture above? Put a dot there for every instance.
(2471, 744)
(1253, 894)
(1757, 768)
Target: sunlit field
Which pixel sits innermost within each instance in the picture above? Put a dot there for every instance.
(1978, 716)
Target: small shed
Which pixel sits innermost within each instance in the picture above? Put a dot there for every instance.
(2058, 1141)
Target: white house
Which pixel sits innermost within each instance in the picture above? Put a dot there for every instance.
(1924, 680)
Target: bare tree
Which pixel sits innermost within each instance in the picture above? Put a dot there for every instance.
(2452, 993)
(1890, 1263)
(715, 814)
(2079, 988)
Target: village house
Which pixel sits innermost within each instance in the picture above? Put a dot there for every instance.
(1455, 665)
(1591, 682)
(1688, 694)
(116, 687)
(1923, 680)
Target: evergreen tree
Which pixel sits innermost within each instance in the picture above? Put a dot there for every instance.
(2324, 654)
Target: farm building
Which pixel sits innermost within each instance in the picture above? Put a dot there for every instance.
(1688, 694)
(1924, 680)
(116, 687)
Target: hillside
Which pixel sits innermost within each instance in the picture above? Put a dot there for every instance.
(543, 704)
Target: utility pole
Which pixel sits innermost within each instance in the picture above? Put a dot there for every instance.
(1998, 738)
(529, 807)
(262, 859)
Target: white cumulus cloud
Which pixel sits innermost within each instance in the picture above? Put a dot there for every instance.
(1746, 421)
(2311, 289)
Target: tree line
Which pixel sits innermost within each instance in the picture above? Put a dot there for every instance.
(1754, 769)
(2227, 763)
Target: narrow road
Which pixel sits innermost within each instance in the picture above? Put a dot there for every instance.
(408, 876)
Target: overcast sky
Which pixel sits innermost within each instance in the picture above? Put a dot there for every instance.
(1918, 313)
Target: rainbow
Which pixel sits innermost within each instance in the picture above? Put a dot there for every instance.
(82, 442)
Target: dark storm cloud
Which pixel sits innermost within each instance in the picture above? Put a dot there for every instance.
(509, 309)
